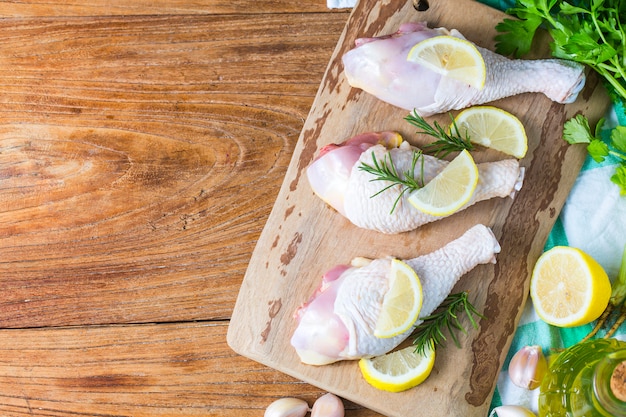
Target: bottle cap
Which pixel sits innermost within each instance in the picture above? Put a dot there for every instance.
(618, 381)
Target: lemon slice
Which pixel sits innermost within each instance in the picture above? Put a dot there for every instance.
(450, 189)
(568, 287)
(402, 302)
(493, 128)
(452, 57)
(399, 370)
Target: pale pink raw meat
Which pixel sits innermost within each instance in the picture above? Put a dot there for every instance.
(379, 67)
(338, 322)
(335, 176)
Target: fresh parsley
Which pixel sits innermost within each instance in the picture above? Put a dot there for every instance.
(590, 32)
(576, 130)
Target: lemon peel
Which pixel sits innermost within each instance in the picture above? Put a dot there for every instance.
(450, 190)
(493, 128)
(452, 57)
(399, 370)
(402, 302)
(568, 287)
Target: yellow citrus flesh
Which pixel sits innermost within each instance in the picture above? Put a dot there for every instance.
(568, 287)
(493, 128)
(391, 140)
(402, 302)
(450, 189)
(399, 370)
(452, 57)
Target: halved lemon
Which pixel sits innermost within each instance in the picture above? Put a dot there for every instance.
(568, 287)
(402, 302)
(493, 128)
(452, 57)
(399, 370)
(450, 189)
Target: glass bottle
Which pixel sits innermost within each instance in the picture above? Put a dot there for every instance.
(586, 380)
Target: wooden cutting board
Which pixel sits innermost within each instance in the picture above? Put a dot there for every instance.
(303, 237)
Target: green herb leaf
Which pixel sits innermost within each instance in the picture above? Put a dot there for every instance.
(446, 142)
(516, 36)
(618, 138)
(430, 331)
(567, 8)
(576, 130)
(591, 32)
(599, 127)
(385, 170)
(619, 178)
(598, 150)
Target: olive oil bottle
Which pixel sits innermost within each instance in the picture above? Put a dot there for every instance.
(586, 380)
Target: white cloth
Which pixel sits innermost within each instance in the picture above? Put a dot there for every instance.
(340, 4)
(594, 215)
(595, 204)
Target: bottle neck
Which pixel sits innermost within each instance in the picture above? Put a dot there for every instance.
(609, 383)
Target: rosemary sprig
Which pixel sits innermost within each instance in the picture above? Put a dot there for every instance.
(430, 331)
(385, 170)
(446, 142)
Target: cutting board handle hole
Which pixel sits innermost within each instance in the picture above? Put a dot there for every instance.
(421, 5)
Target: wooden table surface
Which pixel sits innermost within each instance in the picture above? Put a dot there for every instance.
(142, 145)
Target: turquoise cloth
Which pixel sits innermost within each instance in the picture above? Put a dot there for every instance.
(499, 4)
(591, 220)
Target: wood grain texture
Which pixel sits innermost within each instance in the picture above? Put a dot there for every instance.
(140, 157)
(65, 8)
(138, 370)
(142, 147)
(126, 145)
(303, 237)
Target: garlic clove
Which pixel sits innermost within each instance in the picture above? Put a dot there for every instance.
(328, 405)
(511, 411)
(287, 407)
(528, 367)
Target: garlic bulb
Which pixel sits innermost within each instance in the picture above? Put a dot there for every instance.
(287, 407)
(328, 405)
(528, 367)
(511, 411)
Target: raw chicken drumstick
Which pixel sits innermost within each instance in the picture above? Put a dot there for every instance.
(379, 67)
(336, 178)
(338, 322)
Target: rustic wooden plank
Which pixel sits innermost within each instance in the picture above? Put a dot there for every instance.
(48, 8)
(303, 237)
(143, 370)
(140, 158)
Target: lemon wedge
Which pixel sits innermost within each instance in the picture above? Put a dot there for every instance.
(452, 57)
(568, 287)
(493, 128)
(402, 302)
(399, 370)
(450, 189)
